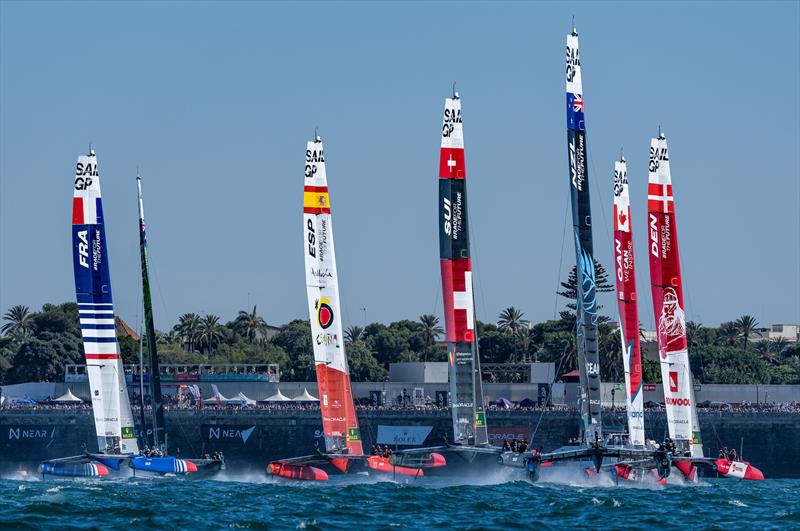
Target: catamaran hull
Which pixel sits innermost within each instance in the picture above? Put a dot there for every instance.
(74, 470)
(738, 469)
(383, 465)
(163, 465)
(462, 463)
(299, 472)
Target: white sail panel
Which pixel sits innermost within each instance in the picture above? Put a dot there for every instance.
(321, 277)
(452, 126)
(573, 72)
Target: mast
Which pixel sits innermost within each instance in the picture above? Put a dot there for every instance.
(586, 315)
(668, 307)
(111, 406)
(142, 415)
(628, 304)
(156, 402)
(466, 388)
(339, 420)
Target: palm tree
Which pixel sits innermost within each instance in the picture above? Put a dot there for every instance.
(527, 341)
(430, 329)
(353, 333)
(511, 320)
(763, 348)
(727, 333)
(188, 327)
(19, 321)
(167, 338)
(746, 325)
(778, 346)
(249, 324)
(210, 332)
(693, 331)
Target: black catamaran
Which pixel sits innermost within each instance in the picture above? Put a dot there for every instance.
(469, 449)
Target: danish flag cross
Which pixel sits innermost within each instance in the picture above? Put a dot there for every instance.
(451, 163)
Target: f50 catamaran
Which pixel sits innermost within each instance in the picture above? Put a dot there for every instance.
(466, 388)
(628, 305)
(591, 445)
(113, 420)
(470, 437)
(343, 446)
(668, 307)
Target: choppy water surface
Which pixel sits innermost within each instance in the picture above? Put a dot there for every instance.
(347, 503)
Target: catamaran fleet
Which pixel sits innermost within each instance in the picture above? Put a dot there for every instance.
(627, 456)
(630, 456)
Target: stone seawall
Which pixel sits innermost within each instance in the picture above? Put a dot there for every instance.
(250, 439)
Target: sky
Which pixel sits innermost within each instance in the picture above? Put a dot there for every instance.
(213, 102)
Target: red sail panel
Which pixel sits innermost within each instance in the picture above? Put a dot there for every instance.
(628, 304)
(458, 311)
(451, 163)
(339, 420)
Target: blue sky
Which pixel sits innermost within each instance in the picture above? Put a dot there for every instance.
(214, 103)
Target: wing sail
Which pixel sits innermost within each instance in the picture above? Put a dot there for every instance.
(668, 305)
(466, 388)
(588, 358)
(339, 420)
(628, 304)
(110, 404)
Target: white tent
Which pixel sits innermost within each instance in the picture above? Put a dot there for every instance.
(68, 398)
(245, 400)
(277, 397)
(217, 398)
(305, 397)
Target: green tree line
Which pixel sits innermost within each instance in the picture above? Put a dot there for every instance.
(35, 346)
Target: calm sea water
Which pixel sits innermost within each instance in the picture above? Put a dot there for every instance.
(173, 504)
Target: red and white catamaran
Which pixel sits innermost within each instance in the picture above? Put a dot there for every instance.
(343, 445)
(668, 308)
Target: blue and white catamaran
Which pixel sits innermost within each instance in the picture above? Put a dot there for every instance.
(113, 419)
(117, 443)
